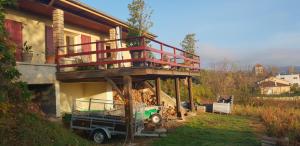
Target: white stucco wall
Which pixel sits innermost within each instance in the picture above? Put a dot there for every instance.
(293, 79)
(71, 91)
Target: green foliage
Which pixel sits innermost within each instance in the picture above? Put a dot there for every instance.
(140, 18)
(221, 81)
(212, 129)
(189, 43)
(19, 127)
(4, 3)
(227, 80)
(11, 89)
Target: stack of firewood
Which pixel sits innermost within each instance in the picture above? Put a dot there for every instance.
(147, 97)
(169, 112)
(141, 96)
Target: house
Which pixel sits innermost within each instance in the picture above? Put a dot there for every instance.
(274, 86)
(80, 52)
(294, 79)
(259, 69)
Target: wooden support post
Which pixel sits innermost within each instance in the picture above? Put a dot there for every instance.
(177, 95)
(127, 86)
(190, 84)
(157, 90)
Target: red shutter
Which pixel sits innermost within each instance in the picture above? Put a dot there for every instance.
(49, 41)
(14, 30)
(87, 47)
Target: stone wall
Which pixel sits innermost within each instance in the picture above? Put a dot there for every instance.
(37, 73)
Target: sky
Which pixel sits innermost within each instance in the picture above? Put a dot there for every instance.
(245, 32)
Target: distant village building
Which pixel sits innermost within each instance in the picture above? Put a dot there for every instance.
(258, 69)
(294, 79)
(274, 86)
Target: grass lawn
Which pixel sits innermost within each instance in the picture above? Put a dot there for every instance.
(212, 130)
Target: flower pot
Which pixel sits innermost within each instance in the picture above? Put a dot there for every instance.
(50, 59)
(27, 57)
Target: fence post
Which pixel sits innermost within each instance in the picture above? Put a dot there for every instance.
(144, 50)
(161, 54)
(57, 59)
(90, 102)
(174, 55)
(97, 53)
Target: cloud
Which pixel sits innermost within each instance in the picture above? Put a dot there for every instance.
(281, 49)
(211, 54)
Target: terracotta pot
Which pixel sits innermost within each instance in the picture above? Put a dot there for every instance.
(27, 57)
(50, 59)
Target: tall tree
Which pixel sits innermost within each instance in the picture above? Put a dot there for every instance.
(189, 43)
(140, 18)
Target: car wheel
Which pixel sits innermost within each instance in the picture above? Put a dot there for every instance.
(156, 118)
(99, 136)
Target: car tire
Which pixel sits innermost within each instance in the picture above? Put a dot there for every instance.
(156, 118)
(99, 136)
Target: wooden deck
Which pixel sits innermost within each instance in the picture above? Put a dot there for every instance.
(138, 74)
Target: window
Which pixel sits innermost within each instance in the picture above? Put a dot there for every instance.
(14, 30)
(70, 41)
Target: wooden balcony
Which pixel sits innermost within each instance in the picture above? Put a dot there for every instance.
(116, 58)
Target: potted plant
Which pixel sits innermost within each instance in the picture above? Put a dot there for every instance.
(27, 52)
(50, 56)
(166, 59)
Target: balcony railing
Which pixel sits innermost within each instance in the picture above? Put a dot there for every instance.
(139, 52)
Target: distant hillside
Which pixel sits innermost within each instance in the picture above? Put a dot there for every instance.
(284, 69)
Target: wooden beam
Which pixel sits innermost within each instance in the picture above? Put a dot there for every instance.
(51, 2)
(177, 96)
(190, 85)
(114, 86)
(149, 85)
(127, 83)
(157, 90)
(141, 72)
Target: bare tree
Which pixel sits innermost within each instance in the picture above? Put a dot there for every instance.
(291, 70)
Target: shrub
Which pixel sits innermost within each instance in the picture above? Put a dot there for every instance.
(11, 90)
(281, 118)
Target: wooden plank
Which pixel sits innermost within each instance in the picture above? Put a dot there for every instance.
(141, 72)
(51, 2)
(177, 96)
(114, 86)
(190, 86)
(127, 86)
(157, 90)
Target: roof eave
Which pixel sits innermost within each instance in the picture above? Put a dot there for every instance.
(101, 14)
